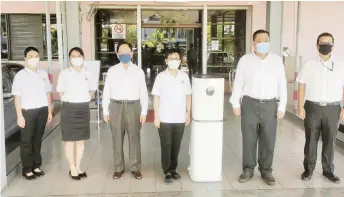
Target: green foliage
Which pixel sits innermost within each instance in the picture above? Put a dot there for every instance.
(226, 43)
(131, 35)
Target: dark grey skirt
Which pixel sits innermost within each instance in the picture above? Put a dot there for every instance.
(75, 121)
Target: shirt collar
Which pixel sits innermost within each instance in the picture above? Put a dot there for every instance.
(331, 59)
(28, 70)
(256, 56)
(167, 72)
(73, 70)
(129, 66)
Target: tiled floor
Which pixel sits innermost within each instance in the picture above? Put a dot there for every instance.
(98, 163)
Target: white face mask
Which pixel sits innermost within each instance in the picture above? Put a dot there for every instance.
(173, 64)
(77, 61)
(33, 62)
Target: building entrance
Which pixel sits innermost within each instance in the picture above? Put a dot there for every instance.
(163, 29)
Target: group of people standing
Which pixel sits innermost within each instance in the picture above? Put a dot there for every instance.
(125, 105)
(259, 97)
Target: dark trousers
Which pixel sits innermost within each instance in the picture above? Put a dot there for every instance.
(258, 125)
(171, 135)
(320, 120)
(31, 138)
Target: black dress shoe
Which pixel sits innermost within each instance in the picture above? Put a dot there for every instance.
(175, 175)
(333, 178)
(77, 177)
(83, 175)
(40, 173)
(29, 177)
(168, 177)
(307, 175)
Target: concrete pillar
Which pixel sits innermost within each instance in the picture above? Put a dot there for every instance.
(239, 32)
(274, 23)
(73, 24)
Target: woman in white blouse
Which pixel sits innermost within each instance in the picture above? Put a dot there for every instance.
(75, 88)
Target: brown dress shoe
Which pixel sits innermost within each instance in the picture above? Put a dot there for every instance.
(117, 175)
(137, 175)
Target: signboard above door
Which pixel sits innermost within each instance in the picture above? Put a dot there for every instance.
(118, 31)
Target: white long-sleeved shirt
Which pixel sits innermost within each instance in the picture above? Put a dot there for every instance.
(121, 84)
(324, 81)
(260, 79)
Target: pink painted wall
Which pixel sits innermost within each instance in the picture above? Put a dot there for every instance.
(24, 7)
(316, 17)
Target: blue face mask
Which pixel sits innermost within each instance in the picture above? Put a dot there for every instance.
(262, 47)
(124, 58)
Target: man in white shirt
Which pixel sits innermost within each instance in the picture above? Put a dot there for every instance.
(260, 84)
(125, 105)
(321, 83)
(172, 105)
(31, 88)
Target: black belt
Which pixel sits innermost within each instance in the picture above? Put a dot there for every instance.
(324, 103)
(262, 100)
(125, 102)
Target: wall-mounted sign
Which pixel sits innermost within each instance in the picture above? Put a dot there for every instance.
(118, 31)
(214, 45)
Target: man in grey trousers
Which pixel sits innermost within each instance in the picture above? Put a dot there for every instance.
(260, 84)
(125, 105)
(321, 83)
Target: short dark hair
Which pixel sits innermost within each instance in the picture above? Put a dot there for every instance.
(171, 51)
(122, 43)
(78, 49)
(260, 31)
(28, 49)
(323, 35)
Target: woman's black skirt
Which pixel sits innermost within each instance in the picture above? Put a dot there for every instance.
(75, 121)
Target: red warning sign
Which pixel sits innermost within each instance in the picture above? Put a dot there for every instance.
(118, 31)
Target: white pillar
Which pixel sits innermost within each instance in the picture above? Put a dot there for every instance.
(59, 34)
(64, 32)
(274, 23)
(48, 32)
(249, 32)
(297, 57)
(204, 39)
(139, 36)
(3, 176)
(73, 22)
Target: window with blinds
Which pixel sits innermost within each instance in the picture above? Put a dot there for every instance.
(25, 30)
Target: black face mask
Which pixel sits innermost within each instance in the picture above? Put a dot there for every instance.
(325, 49)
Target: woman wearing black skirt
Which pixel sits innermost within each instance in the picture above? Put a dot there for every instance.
(75, 87)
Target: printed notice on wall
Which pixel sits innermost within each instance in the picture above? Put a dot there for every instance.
(214, 45)
(118, 31)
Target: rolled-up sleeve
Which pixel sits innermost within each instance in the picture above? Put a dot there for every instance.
(238, 85)
(143, 94)
(282, 87)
